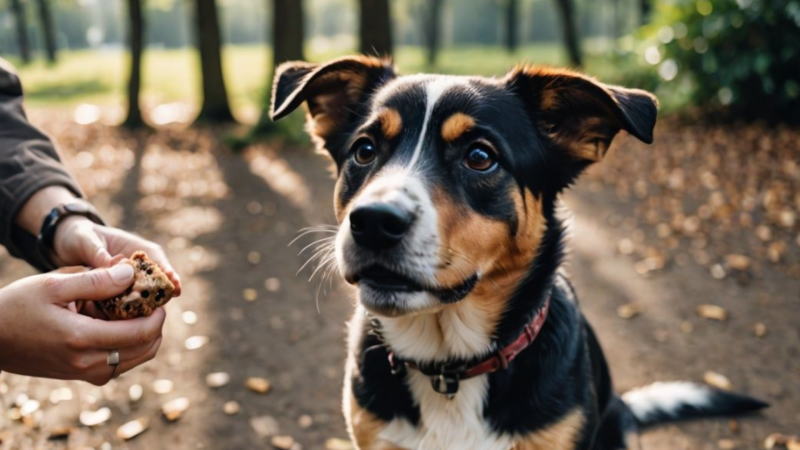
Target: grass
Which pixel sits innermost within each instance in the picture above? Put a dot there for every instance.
(172, 75)
(169, 75)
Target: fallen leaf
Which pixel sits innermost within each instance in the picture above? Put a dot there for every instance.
(628, 311)
(59, 395)
(162, 386)
(760, 329)
(258, 384)
(135, 392)
(94, 418)
(189, 317)
(195, 342)
(217, 379)
(272, 284)
(774, 440)
(250, 294)
(717, 380)
(174, 409)
(726, 444)
(282, 442)
(338, 444)
(230, 408)
(264, 426)
(717, 272)
(131, 429)
(712, 312)
(738, 262)
(253, 257)
(305, 421)
(29, 407)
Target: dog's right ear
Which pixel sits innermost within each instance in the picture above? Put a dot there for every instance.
(336, 92)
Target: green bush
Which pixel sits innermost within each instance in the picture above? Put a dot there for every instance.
(738, 57)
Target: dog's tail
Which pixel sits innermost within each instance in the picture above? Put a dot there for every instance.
(678, 400)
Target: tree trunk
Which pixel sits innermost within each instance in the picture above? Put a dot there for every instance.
(568, 28)
(645, 8)
(46, 19)
(287, 45)
(375, 27)
(433, 21)
(512, 13)
(215, 107)
(287, 30)
(136, 43)
(18, 10)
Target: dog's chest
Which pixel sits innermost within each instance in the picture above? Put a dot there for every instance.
(444, 421)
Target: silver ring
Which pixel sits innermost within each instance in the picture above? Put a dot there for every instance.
(112, 359)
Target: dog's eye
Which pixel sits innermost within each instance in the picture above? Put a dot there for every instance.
(480, 158)
(364, 151)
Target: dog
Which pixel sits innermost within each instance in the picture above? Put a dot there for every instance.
(466, 335)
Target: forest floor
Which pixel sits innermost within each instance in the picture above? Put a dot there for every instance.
(707, 215)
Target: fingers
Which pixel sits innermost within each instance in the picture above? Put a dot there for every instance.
(140, 356)
(109, 335)
(95, 284)
(158, 255)
(94, 368)
(124, 243)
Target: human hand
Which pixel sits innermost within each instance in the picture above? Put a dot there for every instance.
(42, 335)
(81, 241)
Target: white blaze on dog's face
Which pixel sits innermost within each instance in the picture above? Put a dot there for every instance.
(441, 179)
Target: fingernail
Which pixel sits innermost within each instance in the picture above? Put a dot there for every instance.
(121, 273)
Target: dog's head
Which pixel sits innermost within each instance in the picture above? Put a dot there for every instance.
(443, 180)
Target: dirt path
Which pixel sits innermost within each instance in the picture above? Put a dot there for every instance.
(226, 220)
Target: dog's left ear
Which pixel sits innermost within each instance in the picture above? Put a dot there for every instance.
(581, 115)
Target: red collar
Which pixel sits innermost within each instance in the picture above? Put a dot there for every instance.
(445, 379)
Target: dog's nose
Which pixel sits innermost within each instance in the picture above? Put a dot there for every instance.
(379, 225)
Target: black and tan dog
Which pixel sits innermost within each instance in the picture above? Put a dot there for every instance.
(465, 335)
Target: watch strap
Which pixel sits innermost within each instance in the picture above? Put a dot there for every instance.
(47, 233)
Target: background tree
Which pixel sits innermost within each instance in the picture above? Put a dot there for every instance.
(287, 30)
(645, 9)
(511, 28)
(18, 10)
(375, 27)
(570, 32)
(288, 33)
(215, 107)
(48, 29)
(133, 118)
(433, 25)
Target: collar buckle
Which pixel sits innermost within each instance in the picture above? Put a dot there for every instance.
(445, 383)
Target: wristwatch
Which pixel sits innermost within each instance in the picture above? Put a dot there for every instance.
(47, 234)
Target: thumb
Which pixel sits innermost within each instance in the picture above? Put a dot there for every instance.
(97, 284)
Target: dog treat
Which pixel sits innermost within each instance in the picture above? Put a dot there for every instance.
(151, 288)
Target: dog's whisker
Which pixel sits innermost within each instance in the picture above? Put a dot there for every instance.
(331, 229)
(322, 241)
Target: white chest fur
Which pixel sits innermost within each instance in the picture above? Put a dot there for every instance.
(446, 423)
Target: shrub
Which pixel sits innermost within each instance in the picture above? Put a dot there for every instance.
(740, 57)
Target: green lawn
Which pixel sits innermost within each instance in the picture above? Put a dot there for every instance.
(172, 74)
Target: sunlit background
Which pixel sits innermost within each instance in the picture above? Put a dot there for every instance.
(686, 253)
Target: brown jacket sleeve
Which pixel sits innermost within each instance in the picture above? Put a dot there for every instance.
(28, 162)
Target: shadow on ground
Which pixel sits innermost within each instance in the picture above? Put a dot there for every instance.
(227, 219)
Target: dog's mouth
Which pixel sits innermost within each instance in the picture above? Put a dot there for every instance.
(387, 281)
